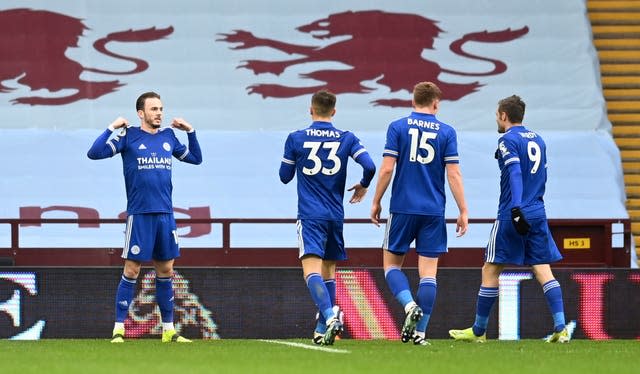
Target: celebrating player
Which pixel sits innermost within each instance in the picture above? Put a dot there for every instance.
(319, 154)
(420, 148)
(151, 228)
(520, 234)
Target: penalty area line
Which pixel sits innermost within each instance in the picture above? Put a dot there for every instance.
(305, 346)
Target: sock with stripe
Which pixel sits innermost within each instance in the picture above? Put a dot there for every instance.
(486, 298)
(321, 325)
(427, 290)
(124, 296)
(399, 285)
(164, 298)
(553, 294)
(320, 295)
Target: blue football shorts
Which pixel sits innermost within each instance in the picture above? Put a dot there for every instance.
(322, 238)
(506, 246)
(151, 236)
(429, 233)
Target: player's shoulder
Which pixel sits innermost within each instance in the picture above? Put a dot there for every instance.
(298, 132)
(166, 131)
(128, 130)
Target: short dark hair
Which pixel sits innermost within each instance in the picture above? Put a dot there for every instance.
(142, 98)
(514, 107)
(323, 103)
(425, 93)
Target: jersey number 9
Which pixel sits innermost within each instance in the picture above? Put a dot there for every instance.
(533, 151)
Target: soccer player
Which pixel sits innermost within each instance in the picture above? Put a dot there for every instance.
(151, 228)
(520, 234)
(420, 148)
(319, 154)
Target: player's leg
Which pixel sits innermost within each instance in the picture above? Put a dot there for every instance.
(124, 296)
(137, 248)
(487, 295)
(431, 242)
(334, 252)
(329, 277)
(427, 290)
(312, 269)
(505, 246)
(312, 238)
(165, 251)
(399, 234)
(540, 251)
(553, 295)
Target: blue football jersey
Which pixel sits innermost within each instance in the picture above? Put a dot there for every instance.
(422, 146)
(320, 154)
(526, 148)
(147, 163)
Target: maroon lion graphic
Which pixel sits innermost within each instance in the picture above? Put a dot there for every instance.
(385, 47)
(33, 45)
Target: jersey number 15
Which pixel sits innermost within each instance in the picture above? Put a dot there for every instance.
(424, 137)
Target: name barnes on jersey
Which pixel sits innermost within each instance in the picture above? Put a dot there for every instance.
(423, 124)
(154, 162)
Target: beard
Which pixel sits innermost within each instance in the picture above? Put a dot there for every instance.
(152, 124)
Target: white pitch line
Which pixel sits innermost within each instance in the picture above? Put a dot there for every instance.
(306, 346)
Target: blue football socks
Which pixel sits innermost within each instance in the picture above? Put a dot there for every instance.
(321, 325)
(486, 297)
(427, 290)
(399, 285)
(124, 296)
(320, 294)
(553, 294)
(164, 297)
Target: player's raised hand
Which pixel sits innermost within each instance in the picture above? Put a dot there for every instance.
(181, 124)
(118, 123)
(358, 193)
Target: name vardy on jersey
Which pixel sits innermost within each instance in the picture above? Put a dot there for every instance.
(323, 133)
(424, 124)
(154, 162)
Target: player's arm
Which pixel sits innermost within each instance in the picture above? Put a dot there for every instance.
(191, 154)
(103, 147)
(363, 158)
(288, 163)
(384, 178)
(515, 182)
(512, 168)
(454, 177)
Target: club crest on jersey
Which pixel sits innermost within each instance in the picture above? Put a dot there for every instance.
(166, 146)
(135, 250)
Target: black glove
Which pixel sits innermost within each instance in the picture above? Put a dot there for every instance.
(519, 222)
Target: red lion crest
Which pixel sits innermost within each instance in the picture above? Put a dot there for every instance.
(33, 45)
(384, 47)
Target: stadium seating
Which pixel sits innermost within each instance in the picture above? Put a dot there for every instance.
(616, 31)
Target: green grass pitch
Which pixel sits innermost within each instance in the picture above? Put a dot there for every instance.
(300, 356)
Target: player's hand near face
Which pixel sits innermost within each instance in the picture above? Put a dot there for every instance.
(118, 123)
(181, 124)
(358, 193)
